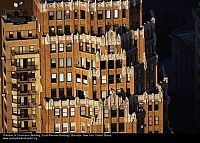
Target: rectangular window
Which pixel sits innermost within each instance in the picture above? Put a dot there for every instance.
(59, 31)
(69, 77)
(103, 93)
(61, 62)
(150, 106)
(52, 31)
(121, 127)
(87, 47)
(31, 48)
(128, 78)
(100, 14)
(113, 127)
(100, 31)
(113, 113)
(84, 79)
(56, 112)
(59, 15)
(111, 64)
(10, 34)
(53, 78)
(83, 111)
(53, 48)
(91, 15)
(69, 62)
(67, 30)
(82, 127)
(51, 15)
(103, 79)
(53, 92)
(90, 111)
(103, 64)
(115, 13)
(156, 105)
(69, 47)
(67, 14)
(123, 13)
(61, 47)
(110, 79)
(156, 120)
(72, 127)
(64, 127)
(75, 14)
(108, 14)
(118, 63)
(110, 49)
(57, 127)
(30, 34)
(69, 91)
(119, 78)
(53, 63)
(78, 78)
(150, 121)
(121, 112)
(106, 113)
(72, 111)
(61, 92)
(61, 77)
(82, 14)
(94, 80)
(82, 28)
(64, 112)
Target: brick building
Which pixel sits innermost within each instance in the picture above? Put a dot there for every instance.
(98, 68)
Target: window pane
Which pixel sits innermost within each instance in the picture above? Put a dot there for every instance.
(69, 76)
(59, 15)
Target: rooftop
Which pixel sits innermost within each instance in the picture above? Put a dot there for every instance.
(16, 17)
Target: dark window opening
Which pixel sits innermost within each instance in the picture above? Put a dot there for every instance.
(121, 112)
(80, 94)
(111, 64)
(123, 13)
(121, 127)
(110, 79)
(69, 91)
(82, 14)
(100, 15)
(53, 92)
(61, 92)
(103, 64)
(75, 14)
(118, 78)
(82, 28)
(156, 106)
(118, 63)
(67, 30)
(113, 127)
(113, 113)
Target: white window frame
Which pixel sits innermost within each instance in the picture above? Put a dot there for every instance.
(65, 125)
(61, 47)
(72, 111)
(115, 13)
(69, 76)
(61, 62)
(69, 64)
(103, 79)
(108, 14)
(64, 112)
(71, 125)
(61, 77)
(56, 112)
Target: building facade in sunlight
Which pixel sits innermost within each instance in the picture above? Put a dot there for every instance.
(94, 66)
